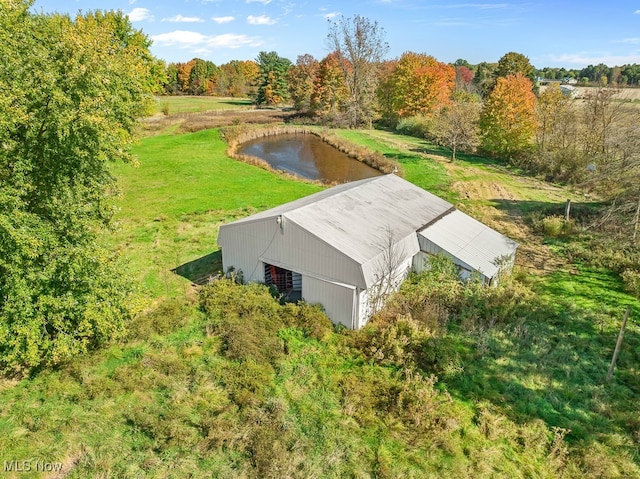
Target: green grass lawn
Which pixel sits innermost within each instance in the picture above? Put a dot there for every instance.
(174, 200)
(193, 104)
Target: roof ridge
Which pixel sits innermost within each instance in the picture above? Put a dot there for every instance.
(349, 186)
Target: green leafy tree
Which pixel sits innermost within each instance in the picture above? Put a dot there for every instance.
(512, 63)
(274, 87)
(508, 119)
(70, 93)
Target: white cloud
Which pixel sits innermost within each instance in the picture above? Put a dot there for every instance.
(264, 2)
(139, 14)
(189, 39)
(183, 19)
(630, 41)
(221, 20)
(637, 12)
(260, 20)
(331, 15)
(595, 59)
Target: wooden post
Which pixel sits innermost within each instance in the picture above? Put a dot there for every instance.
(618, 345)
(567, 209)
(635, 220)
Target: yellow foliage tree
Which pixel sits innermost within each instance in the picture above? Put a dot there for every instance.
(508, 120)
(421, 85)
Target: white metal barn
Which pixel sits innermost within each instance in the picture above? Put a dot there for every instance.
(331, 247)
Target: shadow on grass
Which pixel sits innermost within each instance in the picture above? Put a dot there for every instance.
(200, 270)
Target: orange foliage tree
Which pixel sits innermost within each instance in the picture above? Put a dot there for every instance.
(330, 91)
(508, 120)
(421, 85)
(301, 77)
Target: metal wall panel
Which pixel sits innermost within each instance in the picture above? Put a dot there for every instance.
(338, 300)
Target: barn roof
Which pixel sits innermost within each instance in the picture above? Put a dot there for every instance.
(470, 242)
(357, 217)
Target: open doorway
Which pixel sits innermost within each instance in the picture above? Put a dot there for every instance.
(288, 283)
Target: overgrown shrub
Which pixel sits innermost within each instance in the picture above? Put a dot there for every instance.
(631, 279)
(553, 226)
(160, 318)
(310, 318)
(246, 317)
(418, 126)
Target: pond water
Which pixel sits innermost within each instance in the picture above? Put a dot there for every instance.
(309, 157)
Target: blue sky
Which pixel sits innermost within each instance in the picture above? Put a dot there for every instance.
(558, 33)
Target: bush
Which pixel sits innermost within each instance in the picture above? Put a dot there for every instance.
(554, 226)
(631, 279)
(418, 126)
(246, 317)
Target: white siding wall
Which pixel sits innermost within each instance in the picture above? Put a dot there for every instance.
(338, 300)
(428, 248)
(364, 309)
(246, 246)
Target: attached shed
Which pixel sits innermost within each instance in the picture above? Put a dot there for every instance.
(332, 247)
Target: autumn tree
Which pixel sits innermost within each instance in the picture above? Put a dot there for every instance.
(330, 91)
(360, 47)
(237, 78)
(508, 120)
(301, 78)
(70, 93)
(184, 75)
(273, 88)
(385, 92)
(464, 78)
(202, 77)
(421, 85)
(556, 136)
(456, 125)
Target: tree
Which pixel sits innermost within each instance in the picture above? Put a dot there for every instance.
(360, 46)
(237, 78)
(201, 77)
(556, 136)
(273, 88)
(464, 77)
(70, 93)
(507, 121)
(421, 85)
(456, 126)
(330, 92)
(385, 92)
(512, 63)
(484, 77)
(301, 78)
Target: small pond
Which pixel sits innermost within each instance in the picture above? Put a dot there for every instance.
(307, 156)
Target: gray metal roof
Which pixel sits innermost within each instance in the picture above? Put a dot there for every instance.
(355, 217)
(470, 241)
